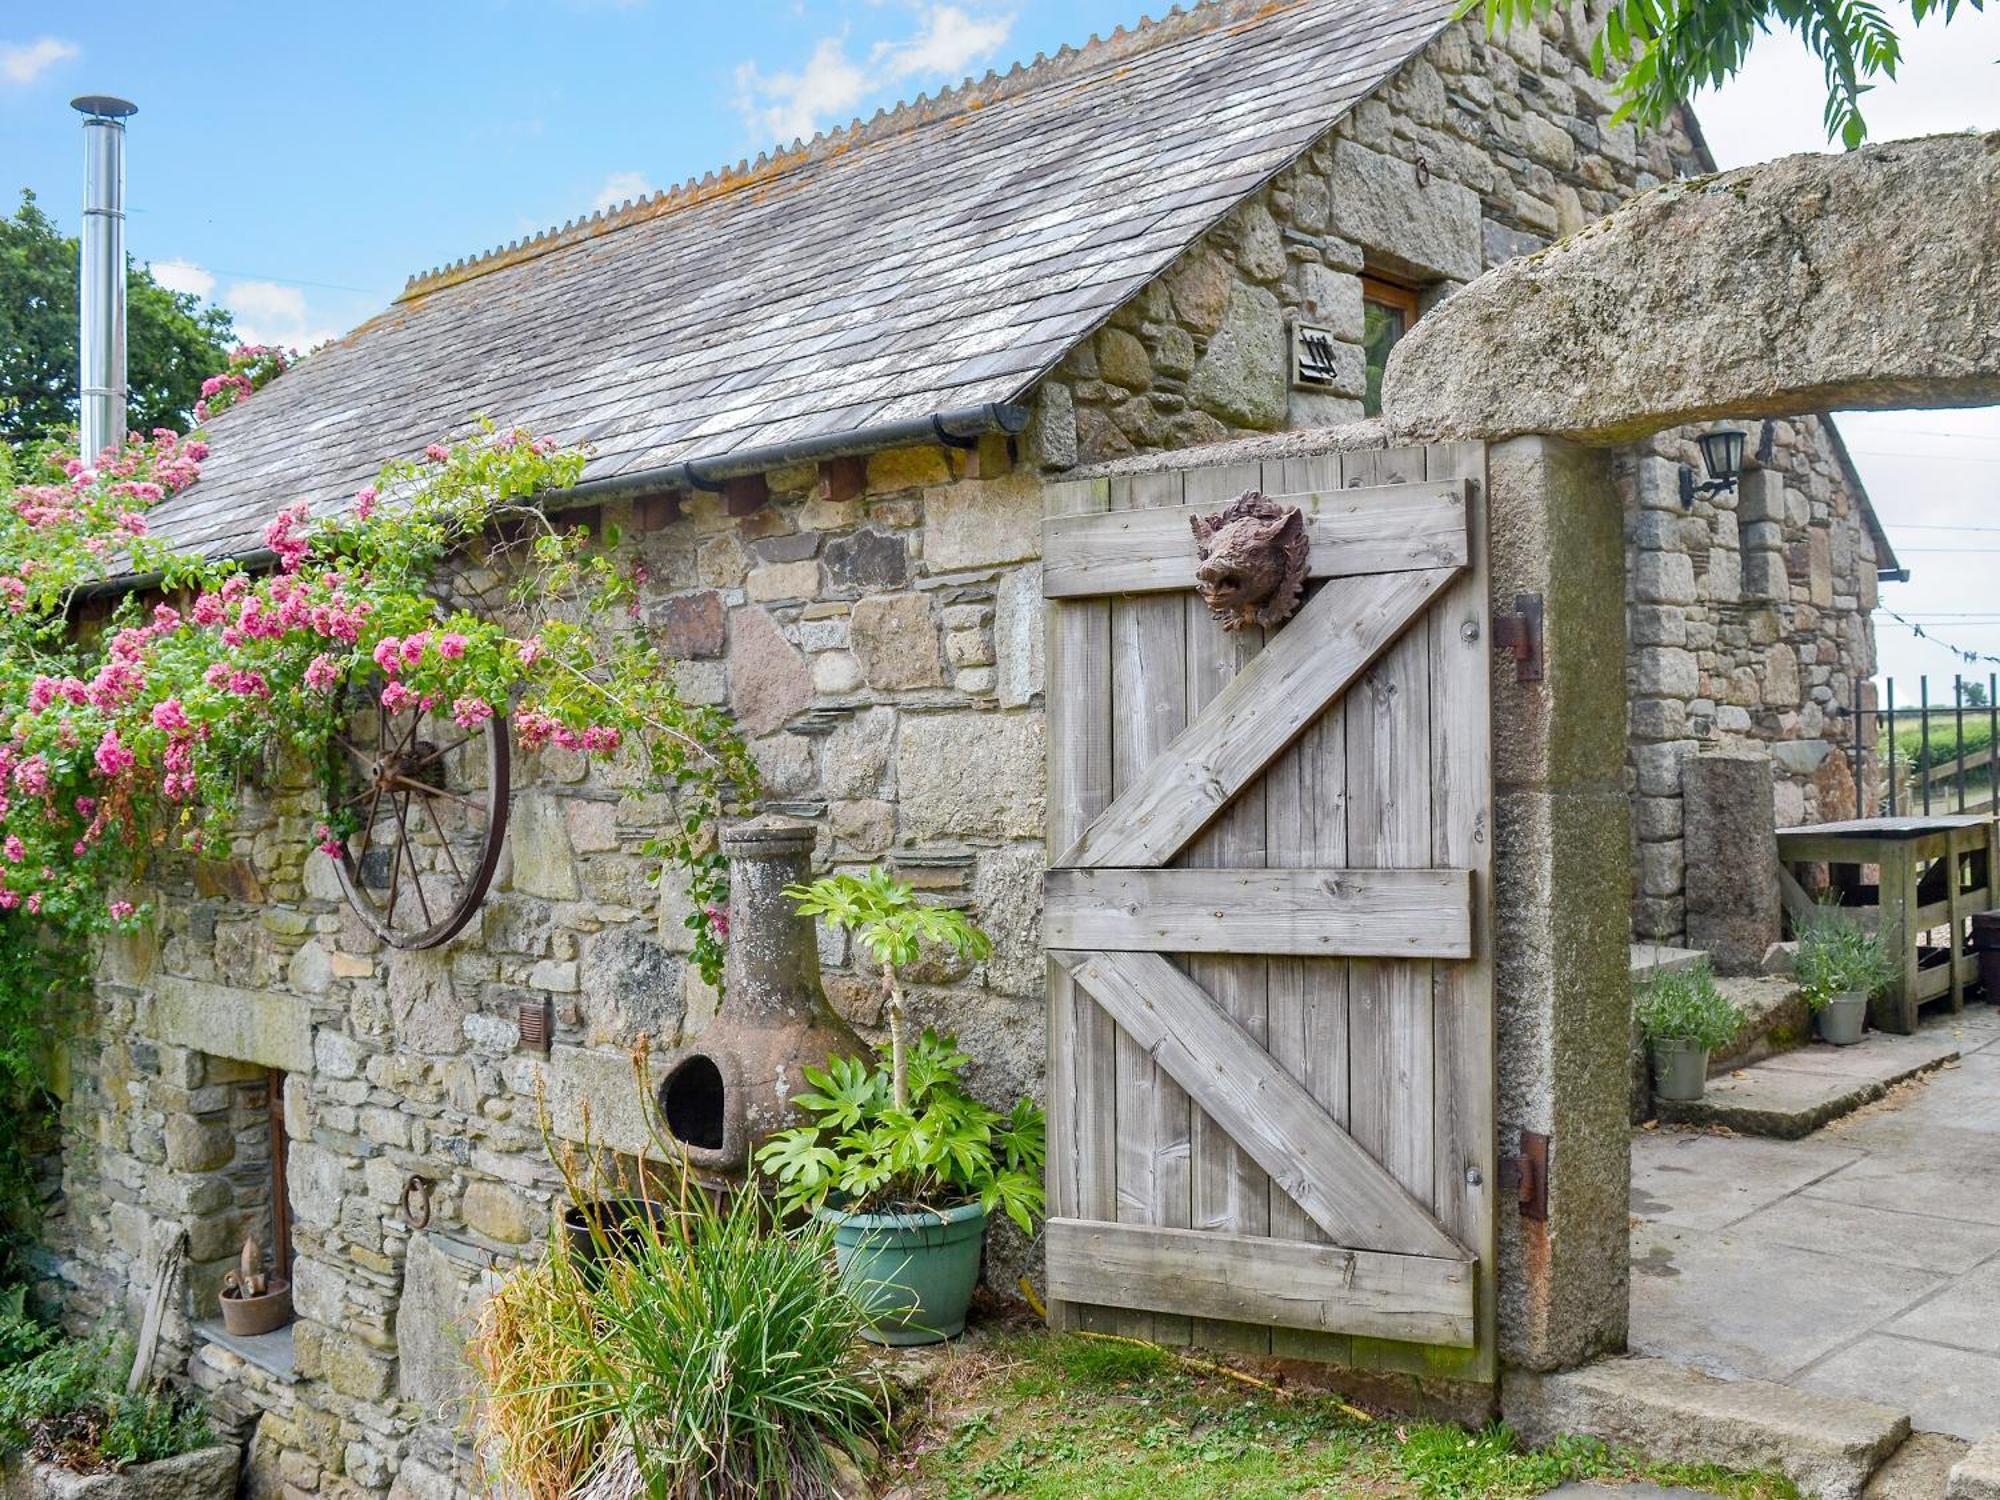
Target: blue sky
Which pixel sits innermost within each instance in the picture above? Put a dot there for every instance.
(297, 162)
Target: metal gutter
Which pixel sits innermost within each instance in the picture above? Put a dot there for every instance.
(956, 428)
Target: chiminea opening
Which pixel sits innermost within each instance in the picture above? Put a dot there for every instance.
(691, 1101)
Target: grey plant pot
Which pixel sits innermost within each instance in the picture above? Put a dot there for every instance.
(1842, 1019)
(1680, 1071)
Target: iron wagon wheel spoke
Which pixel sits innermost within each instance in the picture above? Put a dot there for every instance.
(444, 839)
(438, 791)
(395, 865)
(368, 827)
(404, 845)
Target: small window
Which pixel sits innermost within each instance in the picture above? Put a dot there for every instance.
(1387, 311)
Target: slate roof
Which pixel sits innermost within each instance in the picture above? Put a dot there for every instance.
(941, 256)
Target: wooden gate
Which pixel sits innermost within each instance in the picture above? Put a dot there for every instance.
(1271, 1069)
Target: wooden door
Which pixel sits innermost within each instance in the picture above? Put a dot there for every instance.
(1271, 1070)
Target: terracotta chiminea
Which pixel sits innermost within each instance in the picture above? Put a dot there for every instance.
(732, 1087)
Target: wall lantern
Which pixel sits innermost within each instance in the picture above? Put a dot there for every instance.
(1722, 455)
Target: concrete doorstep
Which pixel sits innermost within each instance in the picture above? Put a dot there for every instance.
(1828, 1446)
(1795, 1093)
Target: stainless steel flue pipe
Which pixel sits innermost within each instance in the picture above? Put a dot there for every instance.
(101, 300)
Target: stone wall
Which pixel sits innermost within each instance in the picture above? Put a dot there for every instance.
(884, 655)
(1748, 622)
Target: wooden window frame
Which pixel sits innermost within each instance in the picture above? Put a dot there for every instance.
(1405, 299)
(281, 1193)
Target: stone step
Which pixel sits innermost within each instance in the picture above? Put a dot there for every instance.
(1775, 1018)
(1977, 1475)
(1652, 958)
(1919, 1470)
(1794, 1093)
(1828, 1446)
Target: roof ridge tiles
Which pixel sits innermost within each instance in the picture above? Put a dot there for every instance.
(887, 121)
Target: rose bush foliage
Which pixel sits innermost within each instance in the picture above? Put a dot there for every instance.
(129, 727)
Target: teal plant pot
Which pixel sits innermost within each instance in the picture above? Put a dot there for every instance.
(1842, 1018)
(914, 1272)
(1680, 1071)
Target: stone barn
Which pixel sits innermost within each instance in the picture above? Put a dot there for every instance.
(830, 396)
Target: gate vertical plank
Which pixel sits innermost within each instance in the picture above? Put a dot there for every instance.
(1389, 1017)
(1306, 823)
(1231, 1192)
(1462, 835)
(1150, 707)
(1082, 1176)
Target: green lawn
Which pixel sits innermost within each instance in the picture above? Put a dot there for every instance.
(1058, 1418)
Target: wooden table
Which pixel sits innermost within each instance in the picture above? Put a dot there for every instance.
(1935, 872)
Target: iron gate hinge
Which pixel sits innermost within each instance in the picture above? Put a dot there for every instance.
(1528, 1175)
(1521, 634)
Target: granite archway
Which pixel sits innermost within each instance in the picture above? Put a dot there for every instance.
(1811, 283)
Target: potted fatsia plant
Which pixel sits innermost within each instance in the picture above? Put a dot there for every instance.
(1684, 1017)
(901, 1161)
(1839, 968)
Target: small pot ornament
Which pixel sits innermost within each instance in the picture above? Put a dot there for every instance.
(251, 1302)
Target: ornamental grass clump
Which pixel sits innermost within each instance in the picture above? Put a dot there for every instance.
(726, 1349)
(696, 1349)
(1685, 1007)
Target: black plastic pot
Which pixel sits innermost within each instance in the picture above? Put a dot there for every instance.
(1986, 947)
(614, 1225)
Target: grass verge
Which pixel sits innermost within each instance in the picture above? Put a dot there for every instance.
(1043, 1416)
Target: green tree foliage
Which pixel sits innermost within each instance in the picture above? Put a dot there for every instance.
(172, 342)
(1669, 49)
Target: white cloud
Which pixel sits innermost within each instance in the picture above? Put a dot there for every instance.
(831, 86)
(620, 186)
(183, 276)
(24, 62)
(267, 312)
(949, 43)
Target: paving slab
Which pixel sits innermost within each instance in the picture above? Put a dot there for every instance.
(1945, 1390)
(1826, 1445)
(1919, 1470)
(1793, 1094)
(1941, 1184)
(1965, 1315)
(1921, 1242)
(1696, 1180)
(1737, 1306)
